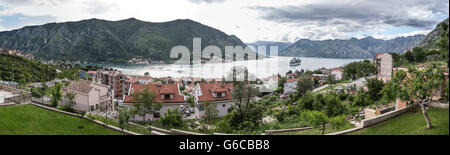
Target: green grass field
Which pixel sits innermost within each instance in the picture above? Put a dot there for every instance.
(115, 122)
(31, 120)
(411, 123)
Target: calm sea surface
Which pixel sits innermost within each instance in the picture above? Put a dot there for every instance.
(259, 68)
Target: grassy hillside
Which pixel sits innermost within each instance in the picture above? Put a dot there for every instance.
(15, 68)
(31, 120)
(411, 123)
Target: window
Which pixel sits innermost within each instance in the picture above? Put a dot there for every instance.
(201, 108)
(157, 115)
(166, 96)
(220, 94)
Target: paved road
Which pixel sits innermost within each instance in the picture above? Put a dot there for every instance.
(358, 82)
(320, 88)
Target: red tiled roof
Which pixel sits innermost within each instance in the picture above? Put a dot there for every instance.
(338, 69)
(379, 55)
(177, 98)
(208, 88)
(216, 89)
(166, 91)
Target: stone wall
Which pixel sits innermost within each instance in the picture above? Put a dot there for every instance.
(181, 132)
(269, 132)
(383, 117)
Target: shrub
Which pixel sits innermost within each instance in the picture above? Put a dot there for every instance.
(172, 119)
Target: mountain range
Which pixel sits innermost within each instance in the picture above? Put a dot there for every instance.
(434, 36)
(352, 48)
(361, 48)
(97, 40)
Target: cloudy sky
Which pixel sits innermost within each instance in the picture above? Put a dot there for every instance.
(250, 20)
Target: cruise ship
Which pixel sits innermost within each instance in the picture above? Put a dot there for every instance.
(295, 62)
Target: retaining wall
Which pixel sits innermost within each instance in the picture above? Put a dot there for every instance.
(181, 132)
(383, 117)
(269, 132)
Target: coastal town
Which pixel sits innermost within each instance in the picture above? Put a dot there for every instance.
(244, 70)
(106, 92)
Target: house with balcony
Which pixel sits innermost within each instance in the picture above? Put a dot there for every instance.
(168, 94)
(89, 96)
(216, 93)
(338, 72)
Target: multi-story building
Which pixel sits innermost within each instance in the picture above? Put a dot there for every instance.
(384, 63)
(116, 82)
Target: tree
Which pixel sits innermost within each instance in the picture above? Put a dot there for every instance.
(210, 112)
(443, 43)
(418, 88)
(124, 117)
(422, 84)
(320, 119)
(333, 106)
(146, 104)
(172, 119)
(375, 86)
(71, 100)
(242, 90)
(328, 110)
(244, 114)
(146, 74)
(82, 113)
(331, 79)
(191, 101)
(409, 56)
(359, 69)
(306, 101)
(418, 54)
(281, 82)
(393, 88)
(304, 84)
(44, 90)
(56, 95)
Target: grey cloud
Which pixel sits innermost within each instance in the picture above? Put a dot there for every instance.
(358, 14)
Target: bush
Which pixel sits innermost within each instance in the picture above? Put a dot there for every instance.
(172, 119)
(375, 86)
(359, 69)
(342, 96)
